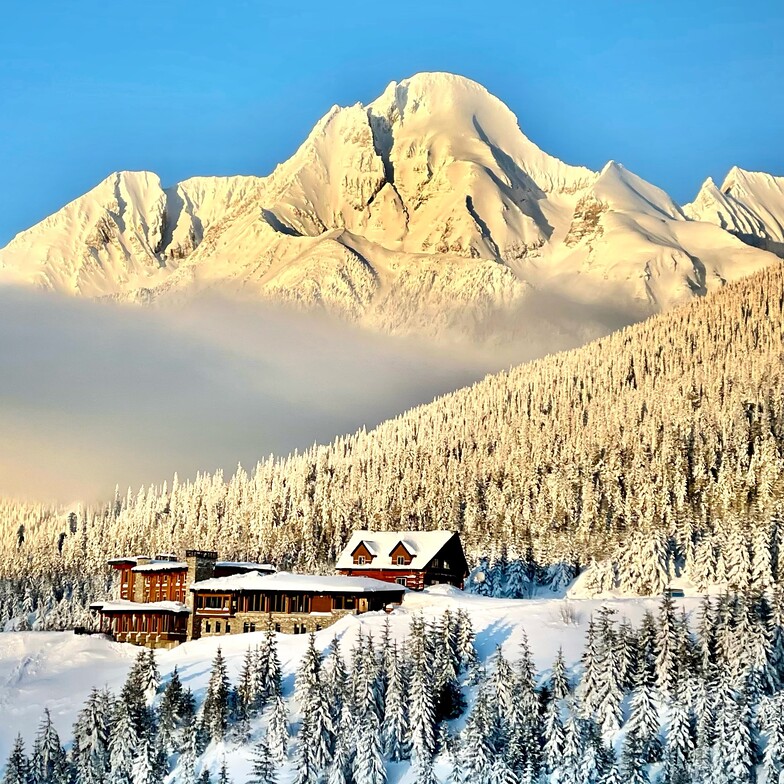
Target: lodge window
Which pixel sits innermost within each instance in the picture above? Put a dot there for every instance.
(253, 602)
(277, 627)
(299, 628)
(277, 602)
(400, 580)
(248, 627)
(217, 626)
(344, 602)
(300, 603)
(208, 627)
(213, 602)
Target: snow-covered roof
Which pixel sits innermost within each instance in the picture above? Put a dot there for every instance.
(304, 583)
(422, 545)
(248, 565)
(160, 566)
(123, 605)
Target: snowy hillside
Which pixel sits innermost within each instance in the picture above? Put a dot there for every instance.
(57, 670)
(748, 204)
(426, 211)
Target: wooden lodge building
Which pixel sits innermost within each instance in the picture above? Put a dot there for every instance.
(414, 559)
(286, 602)
(164, 601)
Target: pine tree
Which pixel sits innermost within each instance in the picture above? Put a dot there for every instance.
(450, 702)
(122, 744)
(264, 766)
(335, 679)
(269, 667)
(278, 733)
(609, 687)
(90, 752)
(151, 676)
(553, 735)
(149, 765)
(17, 768)
(316, 717)
(633, 759)
(476, 752)
(49, 762)
(422, 714)
(190, 751)
(771, 715)
(247, 693)
(169, 713)
(223, 773)
(644, 715)
(559, 680)
(466, 651)
(305, 769)
(678, 746)
(368, 761)
(215, 710)
(394, 730)
(667, 648)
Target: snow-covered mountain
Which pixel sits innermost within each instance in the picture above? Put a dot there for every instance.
(748, 204)
(427, 211)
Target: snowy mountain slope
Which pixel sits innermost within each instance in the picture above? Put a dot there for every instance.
(748, 204)
(426, 211)
(126, 233)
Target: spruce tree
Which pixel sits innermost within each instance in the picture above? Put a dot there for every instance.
(49, 762)
(170, 712)
(264, 769)
(278, 733)
(215, 710)
(368, 765)
(394, 730)
(667, 648)
(422, 713)
(316, 717)
(123, 744)
(17, 768)
(678, 746)
(90, 751)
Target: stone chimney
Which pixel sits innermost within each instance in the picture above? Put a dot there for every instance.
(201, 566)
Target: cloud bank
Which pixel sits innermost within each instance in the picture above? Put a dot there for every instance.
(93, 395)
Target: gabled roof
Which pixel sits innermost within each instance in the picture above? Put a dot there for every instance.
(369, 546)
(289, 582)
(422, 545)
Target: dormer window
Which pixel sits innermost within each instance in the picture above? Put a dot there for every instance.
(361, 560)
(401, 560)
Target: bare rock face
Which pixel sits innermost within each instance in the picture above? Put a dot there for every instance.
(427, 211)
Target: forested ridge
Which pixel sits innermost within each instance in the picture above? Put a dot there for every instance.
(669, 431)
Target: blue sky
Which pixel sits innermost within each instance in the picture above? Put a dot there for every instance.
(674, 90)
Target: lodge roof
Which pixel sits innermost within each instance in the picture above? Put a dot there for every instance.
(123, 605)
(423, 546)
(302, 583)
